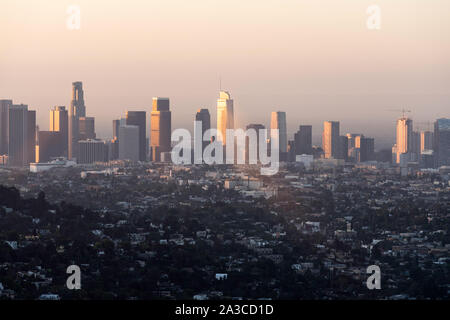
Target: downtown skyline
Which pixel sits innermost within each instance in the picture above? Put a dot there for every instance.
(313, 60)
(385, 135)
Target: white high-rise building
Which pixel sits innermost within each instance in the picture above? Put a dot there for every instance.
(129, 143)
(225, 115)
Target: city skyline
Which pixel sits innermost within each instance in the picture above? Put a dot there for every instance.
(292, 127)
(302, 58)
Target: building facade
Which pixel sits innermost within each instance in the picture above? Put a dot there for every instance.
(161, 128)
(330, 139)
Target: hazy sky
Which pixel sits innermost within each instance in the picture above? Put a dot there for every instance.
(314, 59)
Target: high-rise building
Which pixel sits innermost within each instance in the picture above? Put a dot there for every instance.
(415, 145)
(225, 115)
(77, 109)
(203, 116)
(116, 125)
(138, 118)
(278, 121)
(92, 150)
(129, 143)
(366, 149)
(161, 130)
(343, 148)
(4, 120)
(352, 148)
(31, 136)
(442, 142)
(360, 148)
(48, 146)
(59, 122)
(330, 139)
(404, 138)
(18, 136)
(426, 141)
(303, 140)
(257, 127)
(86, 127)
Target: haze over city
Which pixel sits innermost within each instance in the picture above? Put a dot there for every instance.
(316, 60)
(216, 158)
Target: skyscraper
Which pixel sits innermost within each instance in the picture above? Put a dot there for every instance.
(31, 136)
(442, 141)
(330, 139)
(426, 141)
(366, 149)
(77, 110)
(342, 148)
(59, 122)
(203, 116)
(353, 145)
(129, 143)
(18, 136)
(303, 140)
(404, 138)
(116, 125)
(4, 120)
(160, 125)
(138, 118)
(225, 115)
(48, 145)
(278, 121)
(86, 126)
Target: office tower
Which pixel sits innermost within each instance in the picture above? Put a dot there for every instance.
(330, 139)
(18, 136)
(303, 140)
(366, 149)
(203, 116)
(415, 146)
(116, 125)
(138, 118)
(114, 148)
(353, 150)
(343, 148)
(426, 141)
(59, 122)
(77, 109)
(225, 115)
(278, 121)
(31, 136)
(160, 125)
(291, 151)
(442, 142)
(403, 139)
(129, 143)
(49, 146)
(257, 127)
(86, 126)
(92, 150)
(4, 120)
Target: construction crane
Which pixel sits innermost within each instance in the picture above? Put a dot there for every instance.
(402, 110)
